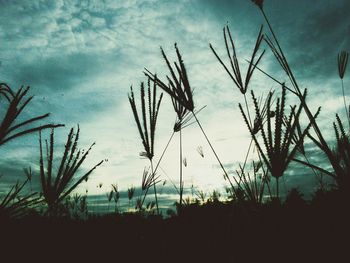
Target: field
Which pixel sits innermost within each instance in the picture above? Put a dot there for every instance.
(252, 219)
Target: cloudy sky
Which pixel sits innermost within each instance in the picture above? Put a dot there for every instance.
(81, 57)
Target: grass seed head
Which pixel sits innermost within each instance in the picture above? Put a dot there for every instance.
(342, 63)
(259, 3)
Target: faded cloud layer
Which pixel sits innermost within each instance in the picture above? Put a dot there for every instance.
(81, 57)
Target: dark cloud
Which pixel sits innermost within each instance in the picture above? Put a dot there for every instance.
(311, 35)
(80, 58)
(321, 34)
(66, 86)
(11, 172)
(57, 73)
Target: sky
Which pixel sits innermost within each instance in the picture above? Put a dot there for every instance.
(81, 57)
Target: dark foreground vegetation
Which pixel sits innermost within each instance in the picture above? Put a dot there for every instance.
(296, 231)
(254, 224)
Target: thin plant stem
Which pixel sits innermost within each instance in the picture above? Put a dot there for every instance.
(216, 156)
(250, 123)
(155, 169)
(171, 181)
(318, 177)
(336, 166)
(265, 172)
(274, 79)
(344, 100)
(307, 160)
(154, 188)
(246, 105)
(166, 147)
(181, 183)
(247, 154)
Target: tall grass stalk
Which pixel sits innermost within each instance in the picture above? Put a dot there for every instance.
(148, 180)
(154, 188)
(183, 120)
(253, 187)
(236, 75)
(342, 64)
(180, 90)
(277, 140)
(16, 104)
(116, 197)
(131, 192)
(56, 188)
(180, 159)
(149, 120)
(215, 154)
(29, 174)
(342, 153)
(297, 135)
(242, 83)
(281, 58)
(14, 205)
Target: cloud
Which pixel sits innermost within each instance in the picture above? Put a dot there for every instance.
(81, 57)
(322, 32)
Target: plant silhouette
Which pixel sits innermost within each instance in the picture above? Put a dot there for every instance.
(277, 140)
(148, 127)
(183, 113)
(13, 204)
(180, 90)
(56, 188)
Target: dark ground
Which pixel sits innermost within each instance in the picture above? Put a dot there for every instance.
(214, 232)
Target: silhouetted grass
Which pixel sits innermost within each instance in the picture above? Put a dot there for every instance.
(15, 203)
(56, 188)
(148, 128)
(182, 100)
(180, 90)
(242, 226)
(342, 64)
(320, 141)
(277, 140)
(16, 104)
(242, 84)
